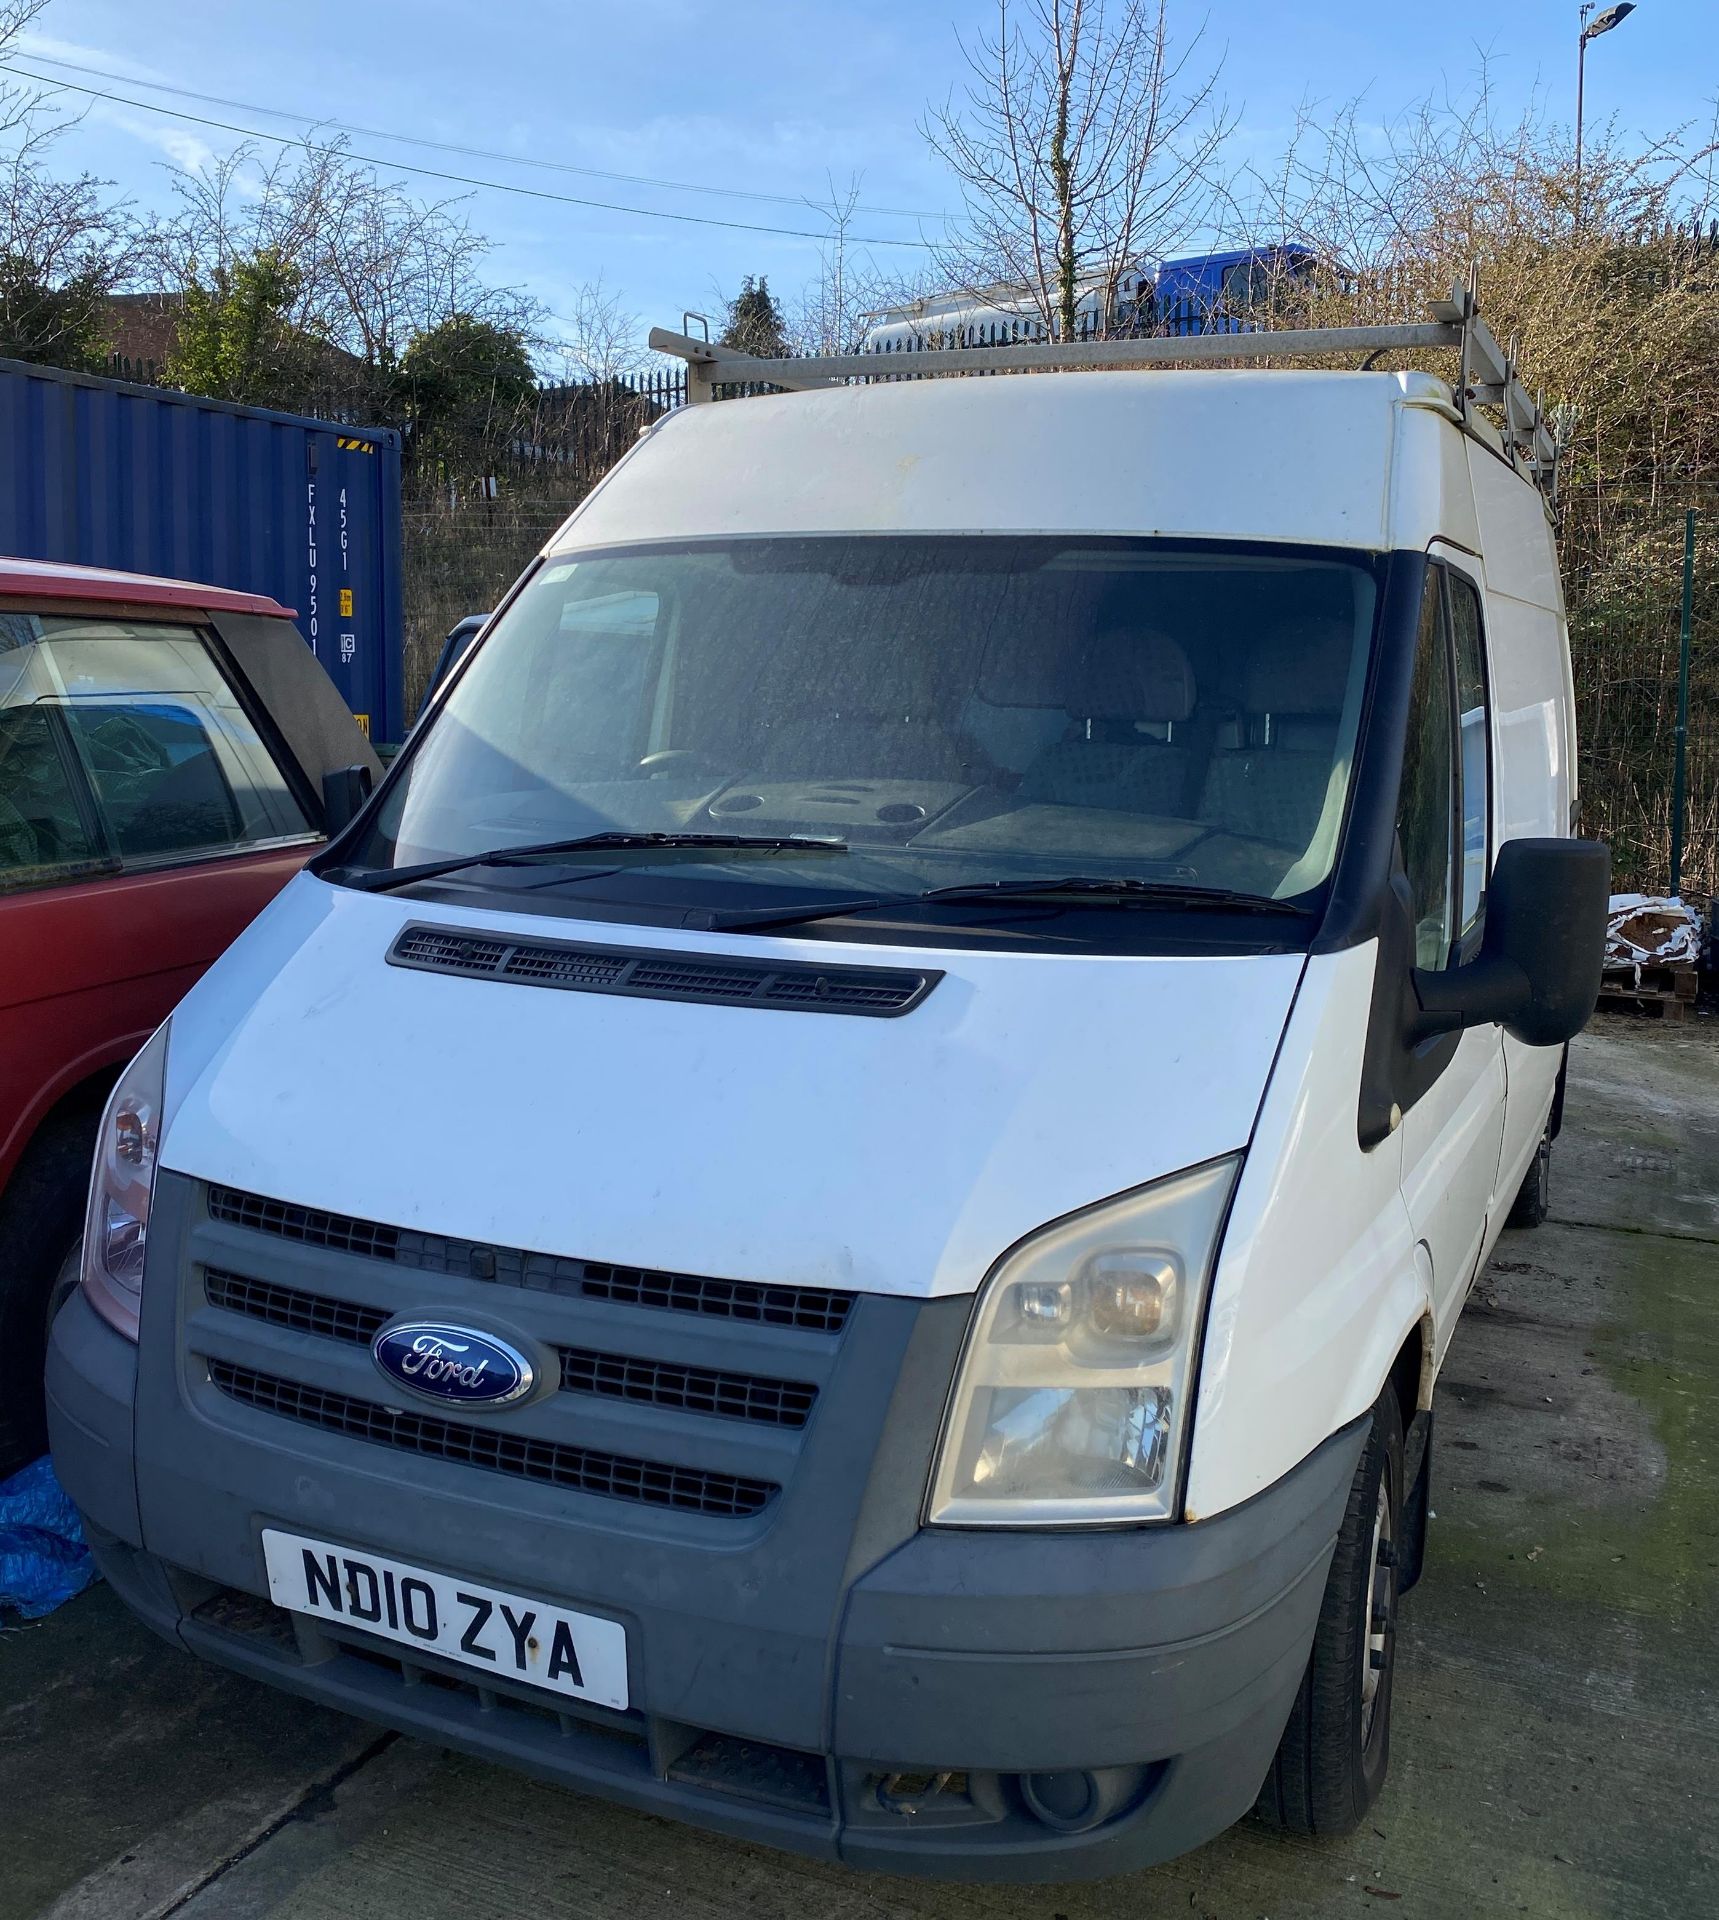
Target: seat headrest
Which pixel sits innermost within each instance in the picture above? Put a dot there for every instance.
(1129, 673)
(1301, 667)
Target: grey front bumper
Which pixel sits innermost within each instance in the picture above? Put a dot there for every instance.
(944, 1672)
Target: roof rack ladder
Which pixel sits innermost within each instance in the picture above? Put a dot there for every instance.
(1487, 376)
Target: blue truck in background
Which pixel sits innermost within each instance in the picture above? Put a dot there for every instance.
(1222, 292)
(151, 480)
(1225, 292)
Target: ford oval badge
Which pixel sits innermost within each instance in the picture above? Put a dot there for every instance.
(453, 1364)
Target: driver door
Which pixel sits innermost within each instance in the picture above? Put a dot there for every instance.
(1452, 1135)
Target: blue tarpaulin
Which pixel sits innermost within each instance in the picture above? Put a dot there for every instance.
(43, 1559)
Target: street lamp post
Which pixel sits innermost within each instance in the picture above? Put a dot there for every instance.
(1602, 23)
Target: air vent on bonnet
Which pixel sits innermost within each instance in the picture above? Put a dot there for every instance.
(795, 987)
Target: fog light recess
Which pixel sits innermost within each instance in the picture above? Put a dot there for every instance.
(1076, 1802)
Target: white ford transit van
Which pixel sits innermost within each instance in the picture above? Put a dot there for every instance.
(837, 1210)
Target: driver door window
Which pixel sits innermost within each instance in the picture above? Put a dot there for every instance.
(1426, 808)
(1452, 1131)
(1473, 729)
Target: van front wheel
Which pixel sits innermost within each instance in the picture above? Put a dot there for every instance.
(1332, 1759)
(1534, 1197)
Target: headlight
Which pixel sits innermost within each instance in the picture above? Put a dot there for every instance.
(1070, 1404)
(116, 1228)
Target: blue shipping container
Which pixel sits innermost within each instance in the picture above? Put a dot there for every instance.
(154, 481)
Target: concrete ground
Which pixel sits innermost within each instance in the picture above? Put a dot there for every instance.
(1557, 1714)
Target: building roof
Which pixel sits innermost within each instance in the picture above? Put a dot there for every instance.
(144, 327)
(54, 580)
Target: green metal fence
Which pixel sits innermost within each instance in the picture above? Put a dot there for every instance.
(1624, 575)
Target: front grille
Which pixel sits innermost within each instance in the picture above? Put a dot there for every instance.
(811, 1309)
(612, 1376)
(291, 1307)
(645, 1482)
(735, 1396)
(788, 986)
(309, 1225)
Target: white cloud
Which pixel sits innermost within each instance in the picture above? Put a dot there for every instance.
(43, 47)
(183, 147)
(181, 144)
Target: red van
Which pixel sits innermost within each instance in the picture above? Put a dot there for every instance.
(169, 756)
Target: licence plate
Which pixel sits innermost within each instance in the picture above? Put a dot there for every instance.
(483, 1627)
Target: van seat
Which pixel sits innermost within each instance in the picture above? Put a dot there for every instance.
(1269, 773)
(1128, 679)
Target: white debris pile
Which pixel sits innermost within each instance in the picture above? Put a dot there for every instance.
(1648, 930)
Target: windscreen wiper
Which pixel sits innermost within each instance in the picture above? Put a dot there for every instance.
(386, 879)
(1129, 891)
(1126, 892)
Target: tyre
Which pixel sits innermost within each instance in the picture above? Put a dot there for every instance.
(1534, 1197)
(1336, 1748)
(41, 1225)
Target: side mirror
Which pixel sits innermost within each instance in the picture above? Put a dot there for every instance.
(344, 792)
(459, 639)
(1538, 970)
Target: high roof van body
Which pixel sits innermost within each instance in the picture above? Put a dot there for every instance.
(949, 1002)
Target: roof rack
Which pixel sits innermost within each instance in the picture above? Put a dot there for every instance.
(1487, 376)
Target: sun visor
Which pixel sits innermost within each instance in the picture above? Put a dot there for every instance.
(301, 700)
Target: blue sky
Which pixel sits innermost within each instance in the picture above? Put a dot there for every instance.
(763, 95)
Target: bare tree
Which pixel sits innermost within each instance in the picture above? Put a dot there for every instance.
(1609, 312)
(65, 244)
(23, 112)
(371, 268)
(849, 287)
(1616, 316)
(1085, 140)
(597, 340)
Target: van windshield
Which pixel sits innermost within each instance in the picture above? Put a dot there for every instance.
(955, 710)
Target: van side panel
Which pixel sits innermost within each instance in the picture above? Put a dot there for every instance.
(1521, 555)
(1533, 743)
(1317, 1286)
(1533, 784)
(1528, 656)
(1431, 497)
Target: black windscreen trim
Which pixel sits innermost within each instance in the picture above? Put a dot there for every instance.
(1362, 873)
(730, 980)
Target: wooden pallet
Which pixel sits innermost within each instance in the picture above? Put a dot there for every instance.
(1667, 992)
